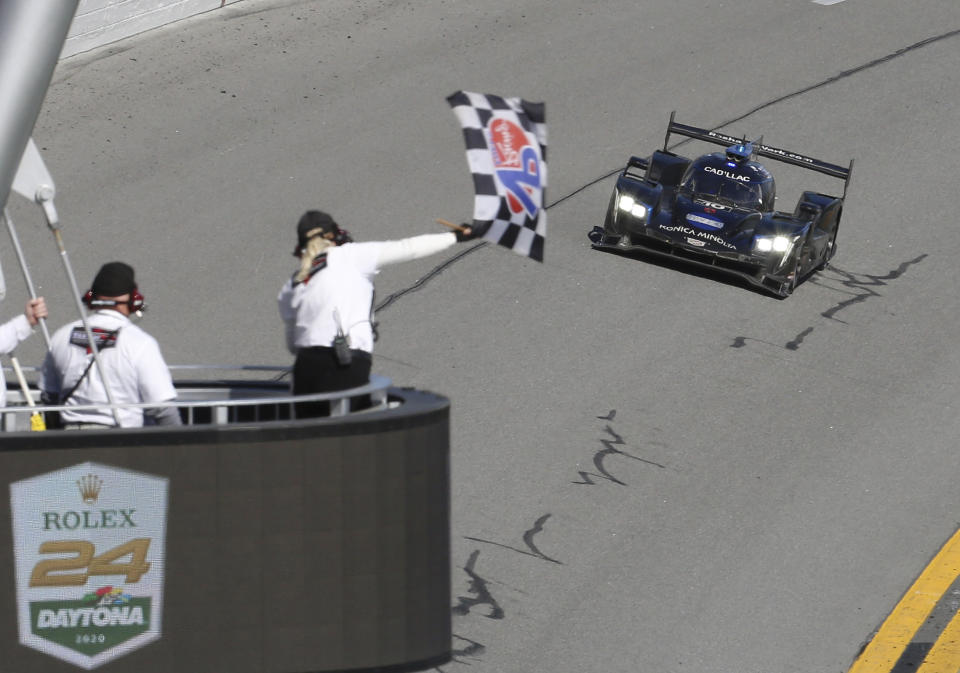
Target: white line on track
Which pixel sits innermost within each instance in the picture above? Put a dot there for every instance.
(827, 2)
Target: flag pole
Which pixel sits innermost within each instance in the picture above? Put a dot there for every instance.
(33, 181)
(447, 223)
(36, 419)
(45, 199)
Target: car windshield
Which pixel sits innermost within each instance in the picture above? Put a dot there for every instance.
(744, 194)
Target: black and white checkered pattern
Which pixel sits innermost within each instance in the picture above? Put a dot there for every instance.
(522, 232)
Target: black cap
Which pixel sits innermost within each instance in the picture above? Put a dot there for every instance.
(114, 280)
(312, 220)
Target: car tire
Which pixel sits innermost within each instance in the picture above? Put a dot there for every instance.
(787, 288)
(830, 250)
(608, 220)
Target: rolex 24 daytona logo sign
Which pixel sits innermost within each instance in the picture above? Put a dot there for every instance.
(89, 557)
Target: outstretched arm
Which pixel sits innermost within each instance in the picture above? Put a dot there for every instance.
(13, 332)
(415, 247)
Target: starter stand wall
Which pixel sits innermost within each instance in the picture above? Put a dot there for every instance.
(292, 546)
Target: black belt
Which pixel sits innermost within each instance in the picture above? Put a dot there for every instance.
(86, 426)
(359, 352)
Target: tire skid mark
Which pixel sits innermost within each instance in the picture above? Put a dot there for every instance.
(471, 649)
(741, 341)
(863, 286)
(609, 449)
(866, 283)
(482, 596)
(527, 539)
(797, 340)
(479, 587)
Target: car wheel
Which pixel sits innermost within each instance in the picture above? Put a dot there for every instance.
(829, 251)
(608, 220)
(793, 278)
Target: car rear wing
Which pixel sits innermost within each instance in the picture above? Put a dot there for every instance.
(776, 153)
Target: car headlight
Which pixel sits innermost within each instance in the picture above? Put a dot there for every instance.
(780, 244)
(628, 204)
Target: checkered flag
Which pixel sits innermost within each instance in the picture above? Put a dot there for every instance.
(507, 153)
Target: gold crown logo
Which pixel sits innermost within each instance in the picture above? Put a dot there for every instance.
(90, 488)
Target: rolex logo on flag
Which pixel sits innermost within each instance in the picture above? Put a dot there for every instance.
(506, 142)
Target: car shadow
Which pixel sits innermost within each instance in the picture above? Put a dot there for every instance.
(691, 269)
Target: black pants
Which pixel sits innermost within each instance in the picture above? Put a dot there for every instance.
(316, 370)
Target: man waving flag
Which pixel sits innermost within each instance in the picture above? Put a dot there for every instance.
(507, 153)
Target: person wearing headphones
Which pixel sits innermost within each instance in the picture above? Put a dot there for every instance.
(327, 305)
(132, 364)
(16, 330)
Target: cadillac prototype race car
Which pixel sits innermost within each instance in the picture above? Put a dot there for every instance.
(718, 211)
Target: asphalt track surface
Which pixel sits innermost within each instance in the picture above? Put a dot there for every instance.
(654, 469)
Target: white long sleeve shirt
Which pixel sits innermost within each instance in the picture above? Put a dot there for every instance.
(340, 294)
(12, 333)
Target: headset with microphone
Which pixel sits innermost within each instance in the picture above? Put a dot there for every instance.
(341, 236)
(136, 302)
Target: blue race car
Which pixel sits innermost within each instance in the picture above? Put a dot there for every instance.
(718, 211)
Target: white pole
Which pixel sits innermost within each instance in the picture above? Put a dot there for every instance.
(32, 34)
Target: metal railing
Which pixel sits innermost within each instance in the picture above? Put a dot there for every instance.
(212, 399)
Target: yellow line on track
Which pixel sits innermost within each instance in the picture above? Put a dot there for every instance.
(944, 656)
(883, 652)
